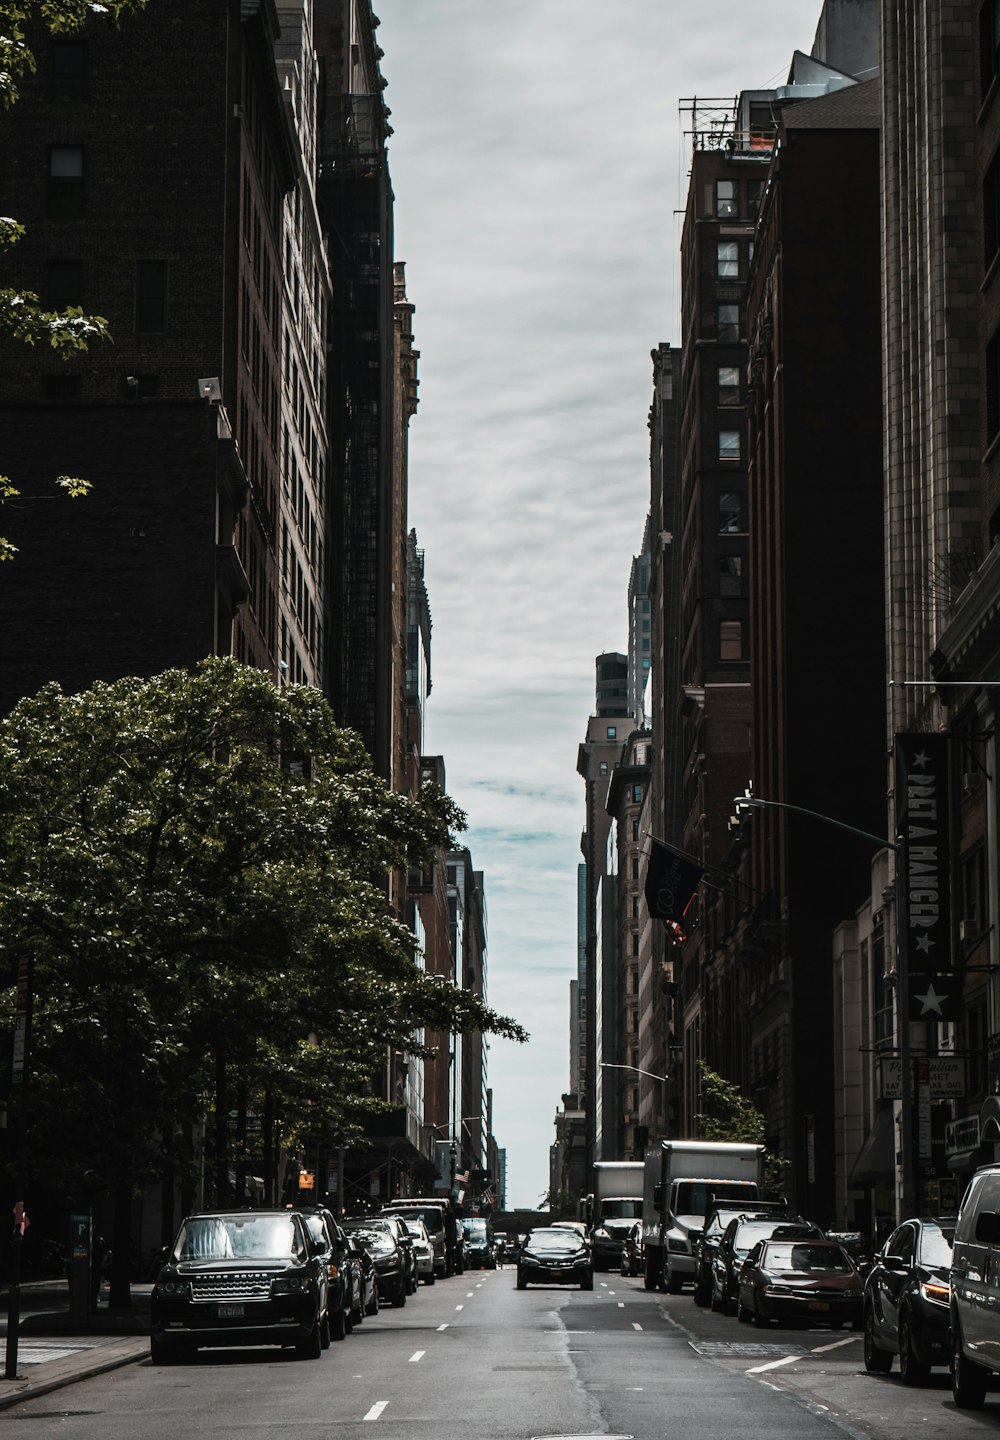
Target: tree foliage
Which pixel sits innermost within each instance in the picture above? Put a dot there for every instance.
(197, 863)
(729, 1115)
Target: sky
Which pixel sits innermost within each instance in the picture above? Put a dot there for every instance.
(538, 163)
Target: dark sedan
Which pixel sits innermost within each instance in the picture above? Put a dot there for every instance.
(907, 1299)
(343, 1269)
(392, 1271)
(240, 1278)
(555, 1257)
(738, 1239)
(810, 1280)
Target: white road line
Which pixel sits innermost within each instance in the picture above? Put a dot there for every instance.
(774, 1365)
(822, 1349)
(417, 1355)
(611, 1292)
(621, 1303)
(459, 1307)
(469, 1294)
(444, 1326)
(636, 1325)
(376, 1410)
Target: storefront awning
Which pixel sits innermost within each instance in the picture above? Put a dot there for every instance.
(877, 1157)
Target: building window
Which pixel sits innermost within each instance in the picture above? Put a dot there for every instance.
(755, 194)
(728, 322)
(726, 199)
(65, 195)
(991, 211)
(727, 264)
(602, 768)
(637, 794)
(151, 297)
(612, 732)
(729, 385)
(730, 575)
(730, 513)
(989, 44)
(729, 444)
(730, 640)
(69, 76)
(63, 284)
(993, 389)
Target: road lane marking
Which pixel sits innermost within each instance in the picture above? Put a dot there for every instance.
(459, 1307)
(621, 1303)
(636, 1325)
(444, 1326)
(417, 1355)
(470, 1294)
(822, 1349)
(376, 1410)
(773, 1365)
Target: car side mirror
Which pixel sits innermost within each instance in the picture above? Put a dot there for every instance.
(893, 1262)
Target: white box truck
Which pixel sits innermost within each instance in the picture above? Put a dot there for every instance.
(680, 1178)
(613, 1208)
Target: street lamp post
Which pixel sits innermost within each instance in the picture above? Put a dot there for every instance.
(749, 801)
(636, 1070)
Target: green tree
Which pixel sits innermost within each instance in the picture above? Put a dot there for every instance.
(729, 1115)
(22, 316)
(197, 863)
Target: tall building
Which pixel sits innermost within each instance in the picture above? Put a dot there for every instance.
(204, 530)
(639, 628)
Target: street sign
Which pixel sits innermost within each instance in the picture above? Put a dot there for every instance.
(945, 1076)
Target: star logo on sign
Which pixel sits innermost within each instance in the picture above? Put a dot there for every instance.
(924, 943)
(930, 1001)
(921, 759)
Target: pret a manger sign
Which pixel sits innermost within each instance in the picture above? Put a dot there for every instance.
(923, 874)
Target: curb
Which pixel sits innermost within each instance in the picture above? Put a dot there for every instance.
(60, 1373)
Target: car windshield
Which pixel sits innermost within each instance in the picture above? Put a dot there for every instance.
(475, 1229)
(553, 1240)
(720, 1219)
(935, 1246)
(237, 1237)
(374, 1238)
(432, 1218)
(783, 1256)
(749, 1232)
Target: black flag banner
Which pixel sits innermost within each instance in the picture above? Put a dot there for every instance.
(671, 879)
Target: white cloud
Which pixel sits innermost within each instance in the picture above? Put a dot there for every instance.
(537, 161)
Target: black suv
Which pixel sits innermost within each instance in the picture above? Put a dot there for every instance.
(245, 1277)
(392, 1267)
(716, 1220)
(343, 1270)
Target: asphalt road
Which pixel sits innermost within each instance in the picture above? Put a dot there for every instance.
(472, 1358)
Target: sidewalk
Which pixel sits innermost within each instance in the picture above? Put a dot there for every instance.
(50, 1355)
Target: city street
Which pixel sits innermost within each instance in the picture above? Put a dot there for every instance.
(474, 1356)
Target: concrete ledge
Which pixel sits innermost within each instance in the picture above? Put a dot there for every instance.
(55, 1374)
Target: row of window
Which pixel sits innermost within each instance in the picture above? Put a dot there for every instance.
(64, 286)
(729, 264)
(728, 196)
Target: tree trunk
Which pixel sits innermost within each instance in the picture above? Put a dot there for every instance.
(120, 1297)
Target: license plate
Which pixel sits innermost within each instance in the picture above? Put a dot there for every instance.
(818, 1305)
(231, 1312)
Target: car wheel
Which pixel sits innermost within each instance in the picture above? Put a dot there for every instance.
(742, 1313)
(399, 1299)
(311, 1348)
(912, 1371)
(162, 1353)
(432, 1278)
(713, 1299)
(673, 1282)
(877, 1362)
(968, 1381)
(324, 1332)
(761, 1321)
(372, 1307)
(702, 1292)
(725, 1304)
(338, 1324)
(587, 1284)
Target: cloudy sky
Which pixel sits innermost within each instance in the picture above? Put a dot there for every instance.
(538, 161)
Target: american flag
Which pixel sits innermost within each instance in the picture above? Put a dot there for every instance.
(489, 1198)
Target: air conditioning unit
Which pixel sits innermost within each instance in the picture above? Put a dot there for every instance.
(968, 929)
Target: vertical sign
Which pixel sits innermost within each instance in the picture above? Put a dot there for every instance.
(923, 873)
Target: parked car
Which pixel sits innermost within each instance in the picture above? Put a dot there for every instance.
(436, 1219)
(807, 1279)
(391, 1264)
(717, 1217)
(397, 1227)
(633, 1261)
(423, 1250)
(240, 1278)
(552, 1256)
(907, 1300)
(478, 1244)
(859, 1249)
(738, 1239)
(330, 1242)
(975, 1290)
(369, 1278)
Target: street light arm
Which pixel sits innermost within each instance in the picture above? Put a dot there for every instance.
(756, 803)
(607, 1065)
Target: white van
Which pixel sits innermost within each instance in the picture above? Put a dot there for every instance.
(975, 1290)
